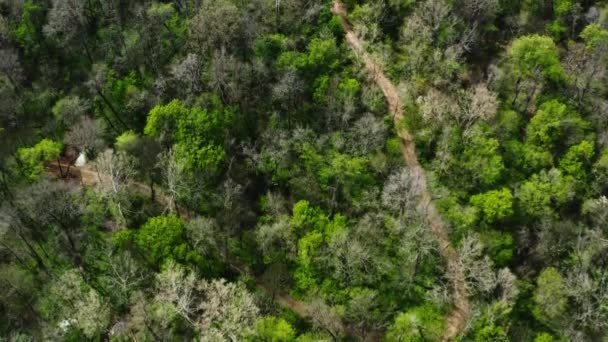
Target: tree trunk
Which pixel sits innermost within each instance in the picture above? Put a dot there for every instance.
(17, 257)
(60, 168)
(34, 254)
(517, 85)
(109, 104)
(152, 192)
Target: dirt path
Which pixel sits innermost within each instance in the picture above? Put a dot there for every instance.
(457, 317)
(90, 177)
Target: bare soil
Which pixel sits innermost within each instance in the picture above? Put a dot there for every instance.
(458, 315)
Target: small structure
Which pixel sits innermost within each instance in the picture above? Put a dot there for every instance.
(81, 160)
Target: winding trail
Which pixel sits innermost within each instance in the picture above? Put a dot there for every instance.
(458, 315)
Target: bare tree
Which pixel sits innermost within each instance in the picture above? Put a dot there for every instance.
(362, 312)
(215, 26)
(9, 244)
(86, 135)
(229, 311)
(66, 22)
(277, 278)
(205, 236)
(416, 30)
(232, 208)
(587, 282)
(477, 267)
(352, 262)
(173, 178)
(437, 107)
(188, 72)
(597, 210)
(145, 321)
(4, 30)
(276, 204)
(125, 275)
(586, 67)
(480, 10)
(277, 236)
(229, 76)
(10, 66)
(507, 283)
(415, 244)
(366, 22)
(70, 109)
(116, 171)
(434, 13)
(367, 134)
(326, 318)
(179, 289)
(287, 91)
(400, 192)
(217, 309)
(16, 224)
(478, 104)
(42, 209)
(82, 306)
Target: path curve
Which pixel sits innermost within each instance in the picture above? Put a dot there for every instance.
(458, 315)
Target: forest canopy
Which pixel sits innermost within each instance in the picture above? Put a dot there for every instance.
(304, 170)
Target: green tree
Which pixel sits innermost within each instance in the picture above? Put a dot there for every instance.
(493, 323)
(544, 337)
(562, 10)
(272, 329)
(321, 56)
(500, 246)
(316, 230)
(600, 170)
(494, 205)
(596, 38)
(70, 302)
(268, 47)
(555, 126)
(307, 217)
(482, 160)
(535, 57)
(69, 110)
(545, 192)
(126, 96)
(31, 160)
(343, 176)
(28, 31)
(145, 151)
(527, 158)
(422, 323)
(550, 296)
(162, 238)
(197, 133)
(308, 248)
(577, 160)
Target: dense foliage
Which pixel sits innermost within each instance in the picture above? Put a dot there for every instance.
(243, 179)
